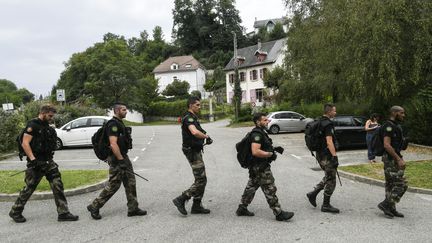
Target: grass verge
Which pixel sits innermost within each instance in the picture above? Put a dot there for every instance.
(417, 172)
(153, 123)
(241, 124)
(71, 179)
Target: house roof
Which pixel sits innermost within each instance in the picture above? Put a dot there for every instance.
(262, 23)
(183, 63)
(272, 48)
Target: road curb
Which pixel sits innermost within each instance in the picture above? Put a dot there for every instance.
(5, 156)
(420, 146)
(48, 195)
(376, 182)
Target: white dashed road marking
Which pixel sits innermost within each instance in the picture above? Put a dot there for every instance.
(295, 156)
(143, 149)
(135, 159)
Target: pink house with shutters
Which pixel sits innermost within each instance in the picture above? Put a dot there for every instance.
(253, 62)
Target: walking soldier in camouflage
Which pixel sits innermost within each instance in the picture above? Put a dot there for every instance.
(260, 174)
(328, 161)
(120, 167)
(193, 141)
(394, 165)
(38, 143)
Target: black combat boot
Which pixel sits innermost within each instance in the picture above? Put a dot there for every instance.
(17, 217)
(179, 202)
(283, 216)
(327, 207)
(67, 217)
(395, 212)
(94, 212)
(197, 208)
(137, 212)
(243, 211)
(312, 196)
(385, 207)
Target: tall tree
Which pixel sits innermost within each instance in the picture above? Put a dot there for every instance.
(158, 34)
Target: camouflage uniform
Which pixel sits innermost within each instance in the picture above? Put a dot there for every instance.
(192, 149)
(328, 183)
(395, 185)
(260, 174)
(118, 175)
(42, 144)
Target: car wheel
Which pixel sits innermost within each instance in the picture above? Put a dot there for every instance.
(274, 129)
(59, 144)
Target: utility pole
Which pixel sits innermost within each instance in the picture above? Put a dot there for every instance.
(237, 89)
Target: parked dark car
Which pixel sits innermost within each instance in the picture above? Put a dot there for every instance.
(349, 131)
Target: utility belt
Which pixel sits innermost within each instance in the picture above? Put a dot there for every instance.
(189, 148)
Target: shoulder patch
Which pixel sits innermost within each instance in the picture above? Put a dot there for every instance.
(190, 119)
(389, 129)
(29, 129)
(257, 138)
(114, 129)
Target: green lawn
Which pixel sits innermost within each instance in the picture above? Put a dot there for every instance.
(153, 123)
(242, 124)
(418, 173)
(71, 179)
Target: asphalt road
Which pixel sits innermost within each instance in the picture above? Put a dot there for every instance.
(157, 156)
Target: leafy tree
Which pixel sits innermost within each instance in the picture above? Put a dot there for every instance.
(178, 89)
(196, 93)
(9, 93)
(158, 34)
(277, 32)
(144, 94)
(216, 80)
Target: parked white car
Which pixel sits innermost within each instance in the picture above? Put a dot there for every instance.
(79, 131)
(288, 121)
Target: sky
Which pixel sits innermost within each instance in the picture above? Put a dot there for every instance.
(38, 37)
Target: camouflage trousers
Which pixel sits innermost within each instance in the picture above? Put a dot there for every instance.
(259, 177)
(196, 162)
(328, 182)
(33, 176)
(117, 176)
(395, 182)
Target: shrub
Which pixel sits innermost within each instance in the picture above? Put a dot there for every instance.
(10, 126)
(419, 118)
(165, 108)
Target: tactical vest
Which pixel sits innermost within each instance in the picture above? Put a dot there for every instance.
(398, 141)
(124, 140)
(43, 143)
(190, 140)
(266, 145)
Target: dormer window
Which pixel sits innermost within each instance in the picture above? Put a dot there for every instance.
(174, 66)
(261, 55)
(188, 65)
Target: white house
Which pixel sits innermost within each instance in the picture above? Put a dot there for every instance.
(269, 24)
(182, 68)
(254, 62)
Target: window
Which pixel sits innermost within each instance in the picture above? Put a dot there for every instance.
(174, 66)
(97, 122)
(285, 115)
(188, 65)
(259, 95)
(79, 123)
(242, 76)
(175, 78)
(296, 116)
(263, 72)
(253, 75)
(231, 78)
(343, 121)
